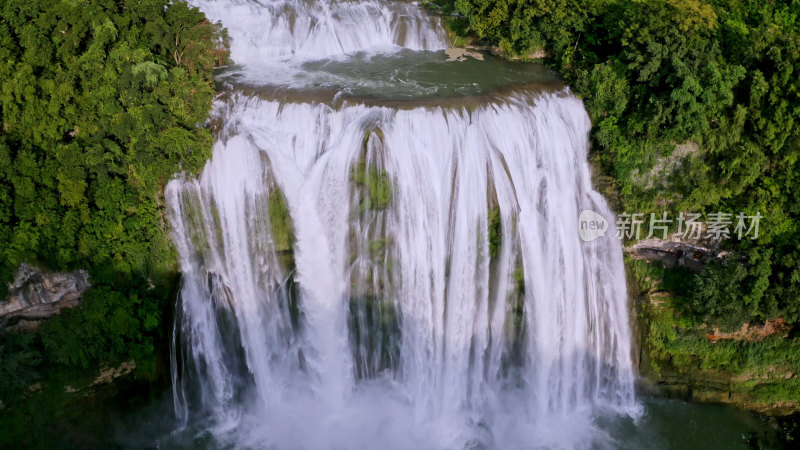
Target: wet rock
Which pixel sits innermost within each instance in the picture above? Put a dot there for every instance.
(36, 295)
(461, 54)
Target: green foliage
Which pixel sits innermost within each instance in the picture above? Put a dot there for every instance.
(45, 414)
(762, 369)
(647, 276)
(280, 221)
(377, 186)
(455, 23)
(101, 103)
(731, 292)
(495, 232)
(677, 341)
(109, 325)
(20, 360)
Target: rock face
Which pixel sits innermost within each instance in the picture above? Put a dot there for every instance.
(36, 295)
(461, 54)
(752, 333)
(672, 253)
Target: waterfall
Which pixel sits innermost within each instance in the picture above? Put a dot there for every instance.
(381, 276)
(273, 38)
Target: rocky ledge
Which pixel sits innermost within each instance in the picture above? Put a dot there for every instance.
(36, 295)
(673, 253)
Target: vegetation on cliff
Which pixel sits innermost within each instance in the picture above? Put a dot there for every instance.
(754, 366)
(101, 103)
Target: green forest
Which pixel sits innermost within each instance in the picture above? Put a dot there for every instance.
(101, 102)
(715, 86)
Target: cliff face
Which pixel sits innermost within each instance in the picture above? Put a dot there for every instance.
(754, 367)
(36, 295)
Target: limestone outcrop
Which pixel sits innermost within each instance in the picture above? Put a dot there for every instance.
(36, 295)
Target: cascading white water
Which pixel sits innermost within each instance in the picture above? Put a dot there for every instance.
(382, 277)
(272, 38)
(277, 30)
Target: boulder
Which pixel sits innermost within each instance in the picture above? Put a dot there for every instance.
(36, 295)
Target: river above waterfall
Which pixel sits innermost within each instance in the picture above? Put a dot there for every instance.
(397, 76)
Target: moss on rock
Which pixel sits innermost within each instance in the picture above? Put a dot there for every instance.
(280, 222)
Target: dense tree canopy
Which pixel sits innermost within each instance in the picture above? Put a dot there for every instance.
(101, 102)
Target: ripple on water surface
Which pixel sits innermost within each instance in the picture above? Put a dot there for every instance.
(404, 75)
